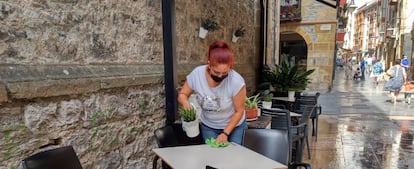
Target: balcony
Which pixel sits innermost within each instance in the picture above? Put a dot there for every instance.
(391, 32)
(290, 10)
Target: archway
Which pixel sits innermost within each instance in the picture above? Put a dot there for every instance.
(293, 48)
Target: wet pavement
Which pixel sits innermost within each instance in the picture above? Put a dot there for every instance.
(361, 129)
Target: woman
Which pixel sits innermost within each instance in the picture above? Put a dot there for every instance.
(220, 92)
(395, 83)
(377, 71)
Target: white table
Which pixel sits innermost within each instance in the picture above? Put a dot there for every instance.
(292, 114)
(286, 99)
(233, 156)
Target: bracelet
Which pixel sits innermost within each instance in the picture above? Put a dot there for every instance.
(225, 133)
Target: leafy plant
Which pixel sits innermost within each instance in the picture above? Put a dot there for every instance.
(188, 114)
(267, 96)
(285, 77)
(252, 101)
(210, 24)
(240, 31)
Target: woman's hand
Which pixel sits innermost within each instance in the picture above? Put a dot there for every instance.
(221, 138)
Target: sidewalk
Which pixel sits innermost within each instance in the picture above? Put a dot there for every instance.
(360, 128)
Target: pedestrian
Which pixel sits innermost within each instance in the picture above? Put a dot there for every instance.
(348, 68)
(363, 66)
(404, 62)
(221, 94)
(377, 71)
(369, 64)
(395, 83)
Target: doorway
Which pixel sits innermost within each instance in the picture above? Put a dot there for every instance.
(293, 49)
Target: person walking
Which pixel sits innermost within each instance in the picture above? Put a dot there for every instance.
(377, 71)
(407, 93)
(220, 92)
(395, 83)
(404, 62)
(362, 65)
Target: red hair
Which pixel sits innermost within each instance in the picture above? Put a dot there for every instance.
(219, 52)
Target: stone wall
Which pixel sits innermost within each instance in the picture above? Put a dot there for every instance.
(90, 73)
(192, 50)
(318, 28)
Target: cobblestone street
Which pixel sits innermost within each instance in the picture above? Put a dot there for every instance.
(361, 129)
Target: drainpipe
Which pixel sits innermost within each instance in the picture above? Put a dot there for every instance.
(170, 75)
(263, 34)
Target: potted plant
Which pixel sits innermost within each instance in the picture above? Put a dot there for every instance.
(285, 77)
(267, 97)
(190, 122)
(209, 24)
(239, 32)
(251, 107)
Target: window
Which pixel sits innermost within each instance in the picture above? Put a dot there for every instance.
(290, 10)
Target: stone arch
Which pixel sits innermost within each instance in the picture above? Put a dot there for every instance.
(320, 51)
(295, 47)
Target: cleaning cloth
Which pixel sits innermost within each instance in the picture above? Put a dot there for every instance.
(212, 143)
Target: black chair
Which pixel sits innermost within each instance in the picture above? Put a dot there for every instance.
(62, 158)
(297, 130)
(273, 144)
(315, 113)
(165, 137)
(305, 107)
(281, 120)
(171, 136)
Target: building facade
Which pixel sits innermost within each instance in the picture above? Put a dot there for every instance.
(310, 40)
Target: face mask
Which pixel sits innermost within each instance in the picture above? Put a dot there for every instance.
(218, 79)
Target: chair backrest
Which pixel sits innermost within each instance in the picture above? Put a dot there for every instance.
(62, 158)
(166, 137)
(280, 118)
(306, 107)
(310, 99)
(273, 144)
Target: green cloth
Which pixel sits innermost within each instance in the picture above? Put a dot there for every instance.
(212, 143)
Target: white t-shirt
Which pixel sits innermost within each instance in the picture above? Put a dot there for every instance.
(216, 102)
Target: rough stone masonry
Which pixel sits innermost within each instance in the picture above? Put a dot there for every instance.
(90, 73)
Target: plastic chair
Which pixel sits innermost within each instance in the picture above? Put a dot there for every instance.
(297, 131)
(306, 108)
(62, 158)
(171, 136)
(273, 144)
(281, 120)
(165, 137)
(315, 113)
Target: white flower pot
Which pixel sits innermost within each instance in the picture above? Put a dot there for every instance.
(202, 33)
(267, 105)
(191, 128)
(234, 38)
(291, 95)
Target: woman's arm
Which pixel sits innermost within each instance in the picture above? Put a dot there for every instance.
(183, 95)
(238, 103)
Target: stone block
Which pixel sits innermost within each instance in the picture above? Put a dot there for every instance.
(3, 93)
(50, 88)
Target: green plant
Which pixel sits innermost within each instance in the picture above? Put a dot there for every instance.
(188, 114)
(267, 96)
(252, 101)
(285, 77)
(240, 32)
(210, 24)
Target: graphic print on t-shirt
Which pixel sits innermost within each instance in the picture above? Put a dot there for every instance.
(210, 103)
